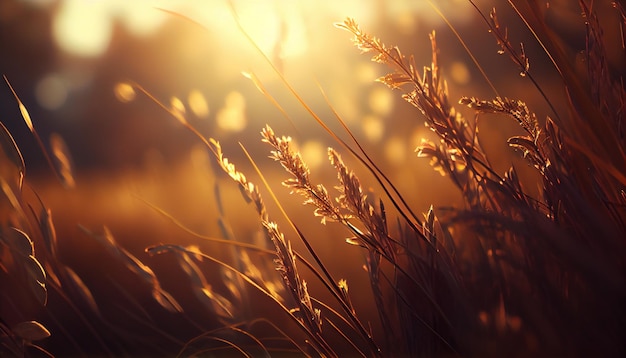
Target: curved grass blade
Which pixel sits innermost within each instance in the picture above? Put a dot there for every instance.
(31, 331)
(230, 327)
(63, 161)
(83, 291)
(15, 167)
(29, 124)
(135, 265)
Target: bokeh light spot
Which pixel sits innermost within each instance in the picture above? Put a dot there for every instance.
(373, 127)
(381, 101)
(232, 117)
(407, 22)
(124, 92)
(395, 151)
(51, 92)
(198, 104)
(235, 99)
(82, 27)
(177, 105)
(366, 72)
(313, 153)
(459, 73)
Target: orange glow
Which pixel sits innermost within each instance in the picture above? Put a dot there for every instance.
(82, 27)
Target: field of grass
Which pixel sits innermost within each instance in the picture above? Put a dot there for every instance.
(515, 257)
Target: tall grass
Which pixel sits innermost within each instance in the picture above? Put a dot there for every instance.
(508, 272)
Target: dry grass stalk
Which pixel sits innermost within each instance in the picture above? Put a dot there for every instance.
(285, 259)
(315, 195)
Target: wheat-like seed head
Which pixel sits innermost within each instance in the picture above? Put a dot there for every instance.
(286, 265)
(516, 109)
(355, 201)
(285, 258)
(248, 188)
(315, 195)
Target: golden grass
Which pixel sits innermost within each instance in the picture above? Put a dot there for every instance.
(509, 272)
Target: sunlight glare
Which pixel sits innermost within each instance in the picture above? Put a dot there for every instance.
(82, 27)
(277, 27)
(141, 17)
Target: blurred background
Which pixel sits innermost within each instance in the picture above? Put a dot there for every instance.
(68, 61)
(64, 58)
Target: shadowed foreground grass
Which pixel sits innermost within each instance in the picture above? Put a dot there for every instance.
(510, 271)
